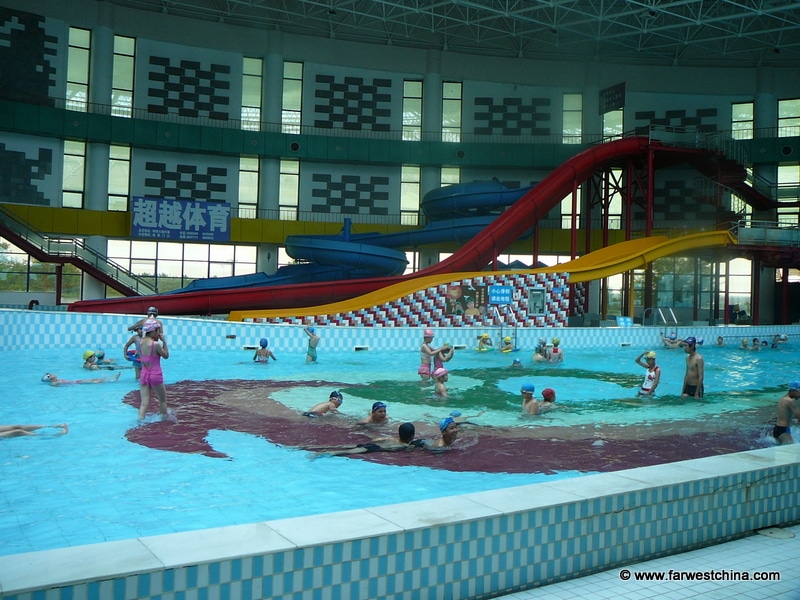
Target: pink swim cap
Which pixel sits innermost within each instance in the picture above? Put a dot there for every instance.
(441, 371)
(428, 333)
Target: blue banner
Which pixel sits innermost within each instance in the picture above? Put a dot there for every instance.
(501, 294)
(181, 220)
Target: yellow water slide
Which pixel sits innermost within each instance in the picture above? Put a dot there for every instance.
(615, 259)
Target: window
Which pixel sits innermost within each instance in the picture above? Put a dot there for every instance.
(122, 77)
(248, 187)
(788, 118)
(78, 69)
(788, 184)
(409, 195)
(72, 181)
(292, 104)
(451, 111)
(172, 265)
(289, 201)
(251, 93)
(566, 211)
(19, 272)
(572, 129)
(612, 125)
(742, 121)
(451, 175)
(412, 110)
(119, 175)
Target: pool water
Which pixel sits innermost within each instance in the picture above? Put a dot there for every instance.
(233, 451)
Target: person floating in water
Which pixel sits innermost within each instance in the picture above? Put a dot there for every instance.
(404, 441)
(653, 375)
(263, 354)
(695, 370)
(787, 407)
(449, 433)
(151, 379)
(8, 431)
(53, 379)
(313, 342)
(323, 408)
(671, 341)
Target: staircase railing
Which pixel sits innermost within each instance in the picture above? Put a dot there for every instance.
(48, 249)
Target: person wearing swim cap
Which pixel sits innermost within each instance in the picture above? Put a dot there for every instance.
(548, 400)
(449, 430)
(653, 375)
(263, 354)
(529, 404)
(787, 407)
(404, 441)
(331, 406)
(313, 341)
(376, 416)
(672, 341)
(152, 313)
(132, 350)
(90, 360)
(556, 354)
(440, 376)
(426, 354)
(516, 363)
(151, 379)
(484, 342)
(53, 379)
(695, 370)
(506, 346)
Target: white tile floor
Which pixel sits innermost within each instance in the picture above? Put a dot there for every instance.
(757, 553)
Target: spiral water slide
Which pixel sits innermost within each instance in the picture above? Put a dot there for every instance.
(473, 256)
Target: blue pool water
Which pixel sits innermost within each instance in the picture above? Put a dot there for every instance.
(95, 485)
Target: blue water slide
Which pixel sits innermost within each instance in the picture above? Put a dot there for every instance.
(476, 198)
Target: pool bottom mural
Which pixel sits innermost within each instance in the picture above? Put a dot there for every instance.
(529, 300)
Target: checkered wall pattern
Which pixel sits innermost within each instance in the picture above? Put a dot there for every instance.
(353, 103)
(427, 308)
(350, 195)
(19, 174)
(703, 119)
(186, 182)
(674, 200)
(188, 88)
(512, 116)
(27, 53)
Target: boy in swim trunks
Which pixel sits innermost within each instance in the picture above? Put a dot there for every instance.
(695, 370)
(324, 408)
(787, 406)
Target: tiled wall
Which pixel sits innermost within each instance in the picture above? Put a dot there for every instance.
(471, 546)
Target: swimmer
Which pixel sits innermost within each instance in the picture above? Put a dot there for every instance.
(541, 354)
(53, 379)
(151, 379)
(426, 354)
(440, 375)
(134, 354)
(91, 361)
(529, 404)
(506, 345)
(787, 407)
(152, 313)
(744, 344)
(653, 375)
(313, 341)
(461, 419)
(263, 354)
(9, 431)
(323, 408)
(695, 370)
(516, 363)
(672, 341)
(756, 345)
(445, 354)
(449, 430)
(556, 354)
(548, 400)
(484, 342)
(404, 441)
(720, 340)
(377, 415)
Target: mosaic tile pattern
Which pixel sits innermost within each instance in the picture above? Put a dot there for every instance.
(27, 56)
(353, 103)
(188, 88)
(350, 195)
(703, 119)
(512, 116)
(17, 185)
(675, 201)
(185, 182)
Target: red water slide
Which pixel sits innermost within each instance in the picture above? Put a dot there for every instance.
(473, 256)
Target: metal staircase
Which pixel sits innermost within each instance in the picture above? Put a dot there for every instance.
(68, 251)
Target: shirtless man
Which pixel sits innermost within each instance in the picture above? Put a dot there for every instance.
(377, 416)
(324, 408)
(313, 340)
(695, 370)
(530, 404)
(787, 406)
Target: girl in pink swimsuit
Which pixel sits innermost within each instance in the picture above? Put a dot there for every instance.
(151, 379)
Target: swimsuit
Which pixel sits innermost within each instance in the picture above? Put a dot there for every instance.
(151, 375)
(262, 358)
(312, 415)
(312, 352)
(370, 447)
(691, 389)
(650, 379)
(779, 430)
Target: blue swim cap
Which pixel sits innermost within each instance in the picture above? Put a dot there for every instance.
(795, 385)
(445, 422)
(378, 406)
(672, 336)
(264, 342)
(455, 413)
(528, 388)
(311, 330)
(690, 341)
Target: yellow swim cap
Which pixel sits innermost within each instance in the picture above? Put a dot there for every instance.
(507, 339)
(650, 354)
(485, 335)
(88, 354)
(556, 341)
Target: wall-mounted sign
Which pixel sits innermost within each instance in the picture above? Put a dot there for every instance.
(181, 220)
(501, 294)
(612, 98)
